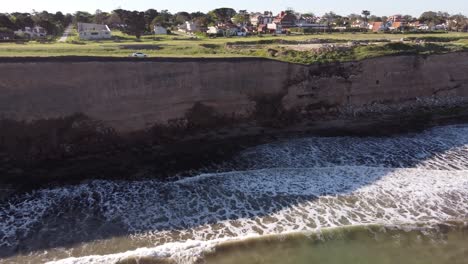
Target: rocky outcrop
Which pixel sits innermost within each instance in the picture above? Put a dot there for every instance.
(107, 109)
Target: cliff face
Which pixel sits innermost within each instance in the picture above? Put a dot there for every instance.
(132, 95)
(69, 119)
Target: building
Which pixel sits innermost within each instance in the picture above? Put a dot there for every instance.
(6, 36)
(229, 29)
(35, 32)
(396, 26)
(359, 24)
(187, 27)
(442, 26)
(158, 30)
(285, 20)
(414, 24)
(378, 26)
(262, 19)
(88, 31)
(396, 18)
(308, 22)
(275, 28)
(214, 30)
(225, 29)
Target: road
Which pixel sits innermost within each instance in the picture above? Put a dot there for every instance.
(66, 33)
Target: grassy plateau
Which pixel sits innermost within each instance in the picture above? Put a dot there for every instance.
(305, 49)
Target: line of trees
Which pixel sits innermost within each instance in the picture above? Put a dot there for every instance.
(54, 23)
(137, 23)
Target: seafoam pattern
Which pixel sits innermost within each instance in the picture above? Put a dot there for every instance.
(296, 185)
(441, 148)
(310, 199)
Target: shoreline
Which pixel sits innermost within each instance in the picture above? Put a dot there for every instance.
(179, 116)
(139, 157)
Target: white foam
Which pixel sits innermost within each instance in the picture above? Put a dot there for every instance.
(324, 182)
(442, 148)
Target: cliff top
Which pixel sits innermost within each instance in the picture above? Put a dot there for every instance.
(303, 49)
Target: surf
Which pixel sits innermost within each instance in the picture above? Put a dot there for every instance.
(304, 186)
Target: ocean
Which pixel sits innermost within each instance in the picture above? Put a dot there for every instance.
(397, 199)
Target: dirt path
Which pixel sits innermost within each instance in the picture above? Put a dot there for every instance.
(66, 33)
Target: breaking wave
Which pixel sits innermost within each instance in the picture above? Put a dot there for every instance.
(301, 185)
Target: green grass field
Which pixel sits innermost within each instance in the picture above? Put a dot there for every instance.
(183, 46)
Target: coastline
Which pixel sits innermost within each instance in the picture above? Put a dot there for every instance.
(165, 117)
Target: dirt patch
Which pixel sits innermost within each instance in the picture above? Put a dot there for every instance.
(140, 47)
(210, 46)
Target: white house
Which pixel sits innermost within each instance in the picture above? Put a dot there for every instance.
(262, 19)
(33, 33)
(214, 31)
(158, 30)
(277, 28)
(223, 29)
(90, 31)
(187, 27)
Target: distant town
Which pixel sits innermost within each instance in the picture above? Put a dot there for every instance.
(221, 22)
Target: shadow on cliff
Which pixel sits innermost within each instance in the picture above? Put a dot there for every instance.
(98, 210)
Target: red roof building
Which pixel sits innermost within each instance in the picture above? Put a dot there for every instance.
(285, 19)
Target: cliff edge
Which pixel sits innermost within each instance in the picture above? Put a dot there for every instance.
(62, 113)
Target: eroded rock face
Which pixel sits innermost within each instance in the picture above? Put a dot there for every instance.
(131, 96)
(382, 80)
(64, 117)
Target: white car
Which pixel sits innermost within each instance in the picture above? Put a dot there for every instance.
(139, 55)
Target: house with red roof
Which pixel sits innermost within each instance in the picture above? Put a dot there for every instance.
(378, 26)
(285, 19)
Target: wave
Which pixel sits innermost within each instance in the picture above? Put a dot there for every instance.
(441, 148)
(300, 185)
(216, 206)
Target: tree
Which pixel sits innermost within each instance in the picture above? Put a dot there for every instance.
(135, 22)
(354, 17)
(308, 14)
(163, 19)
(375, 19)
(242, 17)
(329, 18)
(68, 19)
(150, 14)
(5, 22)
(431, 18)
(22, 20)
(59, 18)
(82, 17)
(366, 14)
(181, 17)
(114, 20)
(100, 17)
(201, 19)
(458, 22)
(408, 18)
(223, 14)
(48, 21)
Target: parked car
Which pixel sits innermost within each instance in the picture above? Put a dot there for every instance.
(139, 55)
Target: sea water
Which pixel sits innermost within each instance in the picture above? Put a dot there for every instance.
(306, 200)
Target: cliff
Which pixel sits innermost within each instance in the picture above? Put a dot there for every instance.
(132, 95)
(63, 108)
